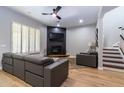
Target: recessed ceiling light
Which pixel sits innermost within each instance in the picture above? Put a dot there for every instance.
(58, 25)
(80, 21)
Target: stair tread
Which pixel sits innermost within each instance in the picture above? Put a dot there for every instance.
(117, 64)
(116, 46)
(113, 66)
(113, 59)
(113, 69)
(110, 49)
(116, 53)
(109, 61)
(112, 55)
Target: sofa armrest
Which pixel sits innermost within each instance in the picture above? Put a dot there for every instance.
(56, 73)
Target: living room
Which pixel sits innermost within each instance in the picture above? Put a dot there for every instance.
(15, 21)
(71, 38)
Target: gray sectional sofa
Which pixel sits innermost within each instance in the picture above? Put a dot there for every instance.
(35, 69)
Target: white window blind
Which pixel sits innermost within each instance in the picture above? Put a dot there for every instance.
(25, 31)
(25, 39)
(37, 40)
(16, 38)
(32, 40)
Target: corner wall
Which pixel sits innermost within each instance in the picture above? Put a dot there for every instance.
(77, 39)
(111, 21)
(102, 11)
(7, 16)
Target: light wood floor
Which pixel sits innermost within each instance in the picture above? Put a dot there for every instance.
(8, 80)
(78, 77)
(91, 77)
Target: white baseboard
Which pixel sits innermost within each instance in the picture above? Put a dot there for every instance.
(72, 56)
(100, 68)
(0, 67)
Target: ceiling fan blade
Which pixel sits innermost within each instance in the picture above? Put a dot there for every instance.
(46, 13)
(58, 17)
(57, 9)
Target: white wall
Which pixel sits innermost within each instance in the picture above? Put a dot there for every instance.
(77, 39)
(111, 21)
(6, 18)
(102, 11)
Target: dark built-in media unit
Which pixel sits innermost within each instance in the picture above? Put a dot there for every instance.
(56, 41)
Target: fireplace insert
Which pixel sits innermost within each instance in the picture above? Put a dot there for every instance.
(56, 50)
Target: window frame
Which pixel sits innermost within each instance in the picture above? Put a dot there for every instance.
(35, 50)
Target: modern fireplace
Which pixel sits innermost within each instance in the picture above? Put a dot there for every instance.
(56, 41)
(56, 50)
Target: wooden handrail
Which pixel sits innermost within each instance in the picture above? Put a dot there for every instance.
(122, 37)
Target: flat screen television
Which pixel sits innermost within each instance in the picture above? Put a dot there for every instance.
(56, 36)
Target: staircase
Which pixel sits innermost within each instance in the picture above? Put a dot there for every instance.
(112, 59)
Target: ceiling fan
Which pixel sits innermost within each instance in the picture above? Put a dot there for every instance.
(54, 13)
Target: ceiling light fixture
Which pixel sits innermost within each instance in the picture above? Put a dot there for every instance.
(80, 21)
(54, 15)
(58, 25)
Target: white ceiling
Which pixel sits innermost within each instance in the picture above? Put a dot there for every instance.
(70, 14)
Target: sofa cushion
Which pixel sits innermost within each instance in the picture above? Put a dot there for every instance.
(18, 56)
(33, 79)
(18, 68)
(7, 60)
(38, 59)
(8, 68)
(8, 54)
(34, 68)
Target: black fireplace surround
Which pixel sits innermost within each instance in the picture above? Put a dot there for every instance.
(56, 41)
(56, 49)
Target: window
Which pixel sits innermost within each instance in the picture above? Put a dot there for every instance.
(25, 31)
(16, 38)
(32, 40)
(37, 40)
(25, 39)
